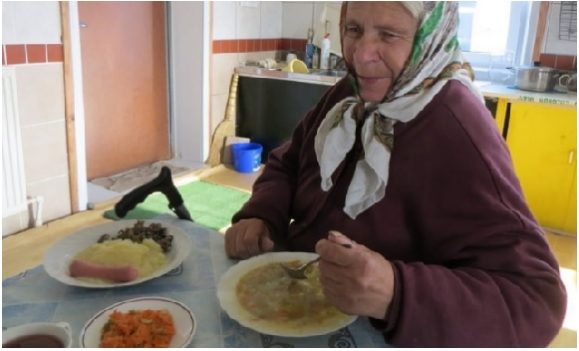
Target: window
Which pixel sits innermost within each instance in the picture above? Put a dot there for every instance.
(494, 35)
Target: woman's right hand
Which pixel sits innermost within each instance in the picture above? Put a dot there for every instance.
(247, 238)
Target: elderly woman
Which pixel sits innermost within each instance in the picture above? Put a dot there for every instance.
(402, 160)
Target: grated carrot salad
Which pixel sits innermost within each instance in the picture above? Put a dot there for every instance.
(145, 328)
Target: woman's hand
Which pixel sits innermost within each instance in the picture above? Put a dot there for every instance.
(356, 280)
(247, 238)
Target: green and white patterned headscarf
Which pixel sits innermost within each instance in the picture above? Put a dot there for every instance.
(434, 60)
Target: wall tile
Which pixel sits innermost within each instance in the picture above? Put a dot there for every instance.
(36, 53)
(218, 104)
(222, 69)
(19, 54)
(298, 44)
(56, 195)
(40, 93)
(15, 54)
(224, 19)
(294, 23)
(15, 223)
(548, 60)
(243, 57)
(232, 46)
(261, 55)
(270, 18)
(54, 53)
(248, 21)
(257, 45)
(565, 62)
(243, 44)
(224, 46)
(44, 151)
(285, 44)
(216, 46)
(31, 22)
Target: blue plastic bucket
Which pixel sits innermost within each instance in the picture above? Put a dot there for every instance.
(246, 157)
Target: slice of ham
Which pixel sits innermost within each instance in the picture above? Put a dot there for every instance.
(79, 268)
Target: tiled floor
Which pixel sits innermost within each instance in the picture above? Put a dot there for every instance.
(35, 241)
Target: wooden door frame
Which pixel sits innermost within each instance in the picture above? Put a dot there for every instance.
(540, 32)
(74, 112)
(74, 102)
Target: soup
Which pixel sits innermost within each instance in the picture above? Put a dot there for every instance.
(38, 340)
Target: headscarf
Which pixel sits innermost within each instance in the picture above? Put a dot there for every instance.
(434, 60)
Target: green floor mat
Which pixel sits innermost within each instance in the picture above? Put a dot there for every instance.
(210, 205)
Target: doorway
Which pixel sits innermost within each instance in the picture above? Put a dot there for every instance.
(189, 40)
(124, 69)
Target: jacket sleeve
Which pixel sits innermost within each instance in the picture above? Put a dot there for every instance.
(487, 277)
(274, 190)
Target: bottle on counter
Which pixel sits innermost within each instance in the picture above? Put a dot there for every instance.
(316, 59)
(333, 61)
(310, 49)
(325, 52)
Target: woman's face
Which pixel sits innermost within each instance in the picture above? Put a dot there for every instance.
(377, 42)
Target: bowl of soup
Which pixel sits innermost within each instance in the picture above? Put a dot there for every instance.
(41, 334)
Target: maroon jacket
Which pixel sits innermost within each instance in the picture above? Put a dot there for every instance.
(472, 267)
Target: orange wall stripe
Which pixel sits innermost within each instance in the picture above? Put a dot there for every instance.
(19, 54)
(253, 45)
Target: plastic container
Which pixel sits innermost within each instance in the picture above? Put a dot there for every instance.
(309, 55)
(316, 59)
(246, 157)
(325, 52)
(310, 48)
(297, 66)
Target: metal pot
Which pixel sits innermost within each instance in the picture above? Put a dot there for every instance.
(535, 78)
(569, 81)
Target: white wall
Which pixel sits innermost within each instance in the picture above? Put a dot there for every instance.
(270, 20)
(246, 20)
(40, 91)
(30, 22)
(551, 42)
(328, 11)
(224, 20)
(189, 75)
(238, 20)
(257, 20)
(297, 17)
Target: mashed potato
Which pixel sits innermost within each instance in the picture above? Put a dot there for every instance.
(147, 257)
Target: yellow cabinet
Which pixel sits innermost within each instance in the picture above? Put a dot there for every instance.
(542, 141)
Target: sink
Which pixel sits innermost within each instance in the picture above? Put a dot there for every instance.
(328, 72)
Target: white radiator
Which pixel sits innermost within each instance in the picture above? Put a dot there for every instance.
(13, 182)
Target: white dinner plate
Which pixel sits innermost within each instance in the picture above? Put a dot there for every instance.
(57, 259)
(226, 293)
(183, 319)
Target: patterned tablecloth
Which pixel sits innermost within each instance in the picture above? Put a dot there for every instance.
(33, 296)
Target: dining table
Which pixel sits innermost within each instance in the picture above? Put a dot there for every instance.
(34, 296)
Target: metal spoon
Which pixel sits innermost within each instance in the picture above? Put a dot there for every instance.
(300, 272)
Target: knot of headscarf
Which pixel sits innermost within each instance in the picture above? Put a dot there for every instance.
(434, 60)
